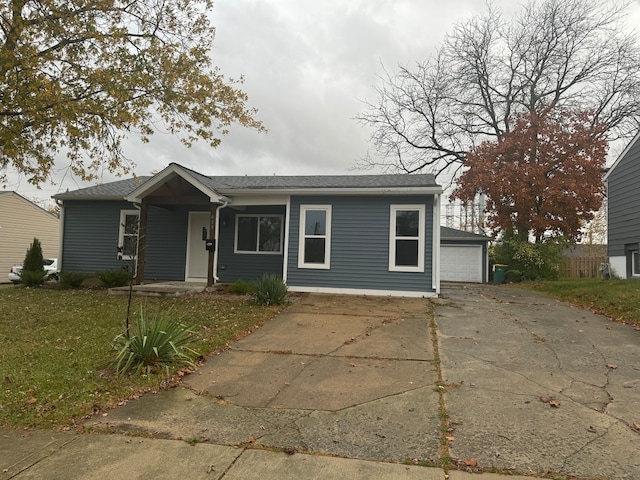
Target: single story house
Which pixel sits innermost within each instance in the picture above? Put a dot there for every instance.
(361, 234)
(20, 222)
(464, 256)
(623, 212)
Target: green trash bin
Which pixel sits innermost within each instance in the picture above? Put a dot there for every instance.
(499, 273)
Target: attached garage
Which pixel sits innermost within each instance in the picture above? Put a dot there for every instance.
(463, 256)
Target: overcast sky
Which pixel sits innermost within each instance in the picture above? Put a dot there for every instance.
(308, 65)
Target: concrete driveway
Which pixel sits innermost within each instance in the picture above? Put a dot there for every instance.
(337, 375)
(507, 354)
(356, 377)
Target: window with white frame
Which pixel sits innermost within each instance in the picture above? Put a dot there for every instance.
(315, 236)
(128, 234)
(259, 234)
(406, 239)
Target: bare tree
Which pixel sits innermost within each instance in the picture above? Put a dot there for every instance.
(574, 54)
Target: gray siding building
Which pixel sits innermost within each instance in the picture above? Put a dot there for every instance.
(623, 180)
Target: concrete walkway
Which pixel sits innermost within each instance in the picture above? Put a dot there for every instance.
(346, 387)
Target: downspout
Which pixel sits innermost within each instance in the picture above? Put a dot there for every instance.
(435, 262)
(217, 237)
(60, 232)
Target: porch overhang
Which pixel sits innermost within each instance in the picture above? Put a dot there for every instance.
(171, 173)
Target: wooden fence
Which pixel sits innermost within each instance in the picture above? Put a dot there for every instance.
(581, 267)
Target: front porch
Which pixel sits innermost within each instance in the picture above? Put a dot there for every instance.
(162, 289)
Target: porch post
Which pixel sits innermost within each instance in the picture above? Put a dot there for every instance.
(212, 238)
(141, 256)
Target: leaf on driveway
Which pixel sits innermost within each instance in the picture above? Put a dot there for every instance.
(449, 438)
(612, 366)
(471, 462)
(544, 399)
(554, 404)
(635, 426)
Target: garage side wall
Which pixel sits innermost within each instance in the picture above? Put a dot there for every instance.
(360, 245)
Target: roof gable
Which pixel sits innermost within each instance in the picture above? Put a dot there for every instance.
(624, 153)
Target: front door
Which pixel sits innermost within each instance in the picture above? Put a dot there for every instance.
(197, 254)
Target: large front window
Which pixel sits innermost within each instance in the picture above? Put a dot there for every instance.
(315, 236)
(406, 240)
(259, 234)
(128, 234)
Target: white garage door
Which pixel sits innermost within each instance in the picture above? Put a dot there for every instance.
(461, 263)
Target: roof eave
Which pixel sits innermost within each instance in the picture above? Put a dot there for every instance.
(432, 190)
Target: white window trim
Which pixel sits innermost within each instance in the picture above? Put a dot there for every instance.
(327, 236)
(392, 238)
(257, 215)
(634, 255)
(123, 215)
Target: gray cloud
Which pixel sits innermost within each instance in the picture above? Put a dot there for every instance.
(307, 65)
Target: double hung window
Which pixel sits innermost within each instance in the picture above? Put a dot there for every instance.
(315, 236)
(406, 239)
(128, 234)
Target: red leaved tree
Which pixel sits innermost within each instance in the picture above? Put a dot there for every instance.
(543, 178)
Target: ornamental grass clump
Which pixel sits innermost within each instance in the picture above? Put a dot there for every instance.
(152, 345)
(270, 290)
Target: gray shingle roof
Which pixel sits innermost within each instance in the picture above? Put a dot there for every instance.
(228, 184)
(107, 191)
(447, 233)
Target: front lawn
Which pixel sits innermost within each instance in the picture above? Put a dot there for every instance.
(55, 349)
(617, 299)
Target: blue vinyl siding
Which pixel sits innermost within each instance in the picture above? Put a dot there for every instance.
(624, 202)
(360, 245)
(166, 243)
(246, 266)
(91, 236)
(91, 239)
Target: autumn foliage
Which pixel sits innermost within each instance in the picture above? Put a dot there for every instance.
(542, 178)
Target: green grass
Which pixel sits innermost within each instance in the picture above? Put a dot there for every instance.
(55, 348)
(617, 299)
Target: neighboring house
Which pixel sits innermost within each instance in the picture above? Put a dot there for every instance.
(464, 256)
(363, 234)
(20, 222)
(623, 197)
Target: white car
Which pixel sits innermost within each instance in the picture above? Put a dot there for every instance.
(50, 269)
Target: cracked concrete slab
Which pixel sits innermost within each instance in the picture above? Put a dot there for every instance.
(357, 385)
(503, 350)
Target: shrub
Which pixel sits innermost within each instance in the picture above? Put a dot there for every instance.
(240, 287)
(114, 278)
(33, 273)
(513, 276)
(152, 345)
(72, 279)
(535, 261)
(270, 290)
(32, 279)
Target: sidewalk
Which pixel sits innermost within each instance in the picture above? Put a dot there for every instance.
(52, 455)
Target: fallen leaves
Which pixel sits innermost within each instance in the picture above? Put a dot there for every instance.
(612, 366)
(471, 462)
(550, 401)
(635, 426)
